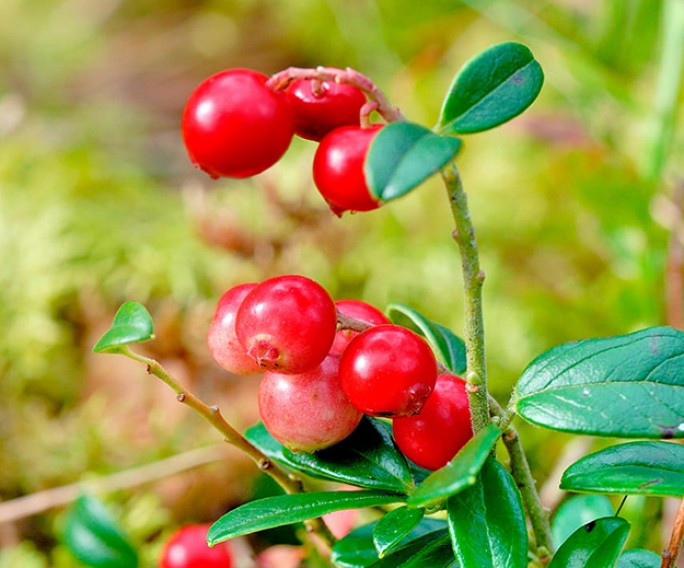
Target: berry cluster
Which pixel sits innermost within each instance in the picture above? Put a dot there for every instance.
(237, 123)
(320, 378)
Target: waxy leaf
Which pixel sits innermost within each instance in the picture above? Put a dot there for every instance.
(132, 324)
(625, 386)
(368, 458)
(487, 522)
(639, 558)
(449, 348)
(94, 538)
(459, 473)
(635, 468)
(272, 512)
(596, 544)
(394, 527)
(432, 550)
(356, 550)
(402, 155)
(493, 87)
(577, 511)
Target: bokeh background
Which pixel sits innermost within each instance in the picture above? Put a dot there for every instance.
(575, 204)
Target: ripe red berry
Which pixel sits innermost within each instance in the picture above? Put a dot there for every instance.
(321, 106)
(388, 370)
(235, 126)
(434, 436)
(188, 548)
(358, 310)
(221, 338)
(338, 169)
(287, 324)
(307, 412)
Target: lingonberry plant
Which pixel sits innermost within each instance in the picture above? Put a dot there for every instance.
(187, 548)
(423, 455)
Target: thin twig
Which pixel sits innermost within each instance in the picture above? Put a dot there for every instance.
(672, 551)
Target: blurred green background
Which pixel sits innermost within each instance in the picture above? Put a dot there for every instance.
(573, 204)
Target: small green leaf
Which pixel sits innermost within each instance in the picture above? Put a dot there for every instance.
(596, 544)
(272, 512)
(635, 468)
(577, 511)
(94, 538)
(402, 155)
(394, 526)
(639, 558)
(132, 324)
(433, 550)
(487, 523)
(356, 550)
(492, 88)
(625, 386)
(449, 348)
(459, 473)
(368, 458)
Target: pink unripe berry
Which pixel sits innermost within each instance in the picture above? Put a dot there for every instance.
(308, 411)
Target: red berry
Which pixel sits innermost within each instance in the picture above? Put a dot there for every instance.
(287, 324)
(358, 310)
(434, 436)
(321, 106)
(338, 169)
(388, 370)
(307, 412)
(188, 548)
(235, 126)
(223, 342)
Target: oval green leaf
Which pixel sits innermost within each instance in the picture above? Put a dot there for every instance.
(272, 512)
(433, 550)
(356, 550)
(625, 386)
(639, 558)
(394, 527)
(132, 324)
(402, 155)
(487, 522)
(368, 458)
(449, 348)
(577, 511)
(459, 473)
(596, 544)
(492, 88)
(94, 537)
(635, 468)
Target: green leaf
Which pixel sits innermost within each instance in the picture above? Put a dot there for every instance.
(394, 527)
(433, 550)
(635, 468)
(487, 522)
(449, 348)
(596, 544)
(132, 324)
(94, 538)
(368, 458)
(402, 155)
(356, 550)
(492, 88)
(625, 386)
(459, 473)
(272, 512)
(639, 558)
(577, 511)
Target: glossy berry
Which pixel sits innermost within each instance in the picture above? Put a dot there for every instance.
(235, 126)
(307, 412)
(360, 311)
(188, 548)
(221, 338)
(388, 370)
(434, 436)
(322, 106)
(287, 324)
(338, 169)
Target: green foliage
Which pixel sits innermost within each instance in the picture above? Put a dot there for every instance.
(598, 543)
(394, 527)
(577, 511)
(132, 324)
